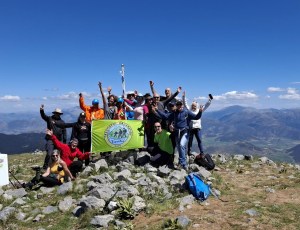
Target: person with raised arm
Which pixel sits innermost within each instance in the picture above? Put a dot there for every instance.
(93, 112)
(109, 105)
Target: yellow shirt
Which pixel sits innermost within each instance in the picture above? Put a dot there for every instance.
(60, 174)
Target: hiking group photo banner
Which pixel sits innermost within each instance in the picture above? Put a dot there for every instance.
(112, 135)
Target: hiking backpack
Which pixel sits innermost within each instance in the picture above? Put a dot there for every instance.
(197, 186)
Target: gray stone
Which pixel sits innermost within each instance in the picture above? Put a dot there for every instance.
(47, 190)
(49, 209)
(238, 157)
(103, 178)
(252, 212)
(6, 213)
(138, 204)
(92, 202)
(87, 171)
(20, 216)
(99, 165)
(270, 190)
(7, 197)
(20, 192)
(65, 204)
(163, 171)
(91, 185)
(38, 218)
(144, 181)
(183, 221)
(104, 193)
(112, 205)
(65, 188)
(123, 175)
(18, 202)
(102, 221)
(1, 191)
(203, 172)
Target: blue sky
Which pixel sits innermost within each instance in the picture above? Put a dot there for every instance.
(243, 52)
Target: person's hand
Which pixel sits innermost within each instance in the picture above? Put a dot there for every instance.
(49, 132)
(100, 84)
(80, 94)
(42, 107)
(109, 89)
(151, 83)
(201, 107)
(179, 89)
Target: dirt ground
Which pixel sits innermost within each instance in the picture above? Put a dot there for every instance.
(243, 190)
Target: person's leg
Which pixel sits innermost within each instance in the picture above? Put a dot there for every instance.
(199, 140)
(181, 142)
(191, 136)
(49, 151)
(50, 181)
(75, 167)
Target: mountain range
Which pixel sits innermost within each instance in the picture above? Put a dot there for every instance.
(233, 130)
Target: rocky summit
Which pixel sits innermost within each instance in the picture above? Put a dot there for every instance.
(121, 190)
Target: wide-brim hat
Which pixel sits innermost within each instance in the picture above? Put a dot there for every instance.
(57, 110)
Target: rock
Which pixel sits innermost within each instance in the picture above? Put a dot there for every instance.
(15, 193)
(65, 204)
(38, 218)
(183, 221)
(163, 171)
(238, 157)
(6, 213)
(138, 204)
(252, 212)
(270, 190)
(102, 221)
(20, 216)
(99, 165)
(87, 171)
(18, 202)
(49, 209)
(47, 190)
(65, 188)
(92, 202)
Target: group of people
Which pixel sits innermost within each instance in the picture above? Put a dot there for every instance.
(169, 123)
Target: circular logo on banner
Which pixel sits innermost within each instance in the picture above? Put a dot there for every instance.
(118, 134)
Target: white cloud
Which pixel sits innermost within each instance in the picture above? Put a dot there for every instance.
(275, 89)
(10, 98)
(239, 95)
(68, 96)
(292, 94)
(295, 82)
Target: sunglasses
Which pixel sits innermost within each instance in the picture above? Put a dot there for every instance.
(156, 97)
(54, 155)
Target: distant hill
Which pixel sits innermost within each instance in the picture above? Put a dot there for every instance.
(295, 152)
(233, 130)
(21, 143)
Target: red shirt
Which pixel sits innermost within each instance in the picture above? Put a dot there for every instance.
(67, 154)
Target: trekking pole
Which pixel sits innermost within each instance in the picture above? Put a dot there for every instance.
(10, 172)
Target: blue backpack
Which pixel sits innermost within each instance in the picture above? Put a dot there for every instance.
(197, 186)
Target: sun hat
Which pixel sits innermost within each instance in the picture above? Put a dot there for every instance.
(57, 110)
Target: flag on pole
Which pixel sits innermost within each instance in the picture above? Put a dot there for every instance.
(123, 78)
(112, 135)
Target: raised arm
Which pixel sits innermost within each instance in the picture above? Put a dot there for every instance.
(184, 100)
(103, 96)
(82, 105)
(165, 102)
(42, 112)
(152, 87)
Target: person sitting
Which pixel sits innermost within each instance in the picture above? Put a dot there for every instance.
(69, 152)
(163, 151)
(55, 174)
(93, 112)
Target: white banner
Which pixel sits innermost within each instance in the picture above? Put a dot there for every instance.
(3, 170)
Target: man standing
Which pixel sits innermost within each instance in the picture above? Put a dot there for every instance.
(54, 123)
(93, 112)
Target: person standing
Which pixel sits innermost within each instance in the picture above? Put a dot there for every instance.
(93, 112)
(179, 120)
(54, 123)
(195, 125)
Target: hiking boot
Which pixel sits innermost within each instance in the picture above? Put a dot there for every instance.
(28, 185)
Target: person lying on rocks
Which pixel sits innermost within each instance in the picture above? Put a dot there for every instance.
(69, 152)
(163, 151)
(56, 173)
